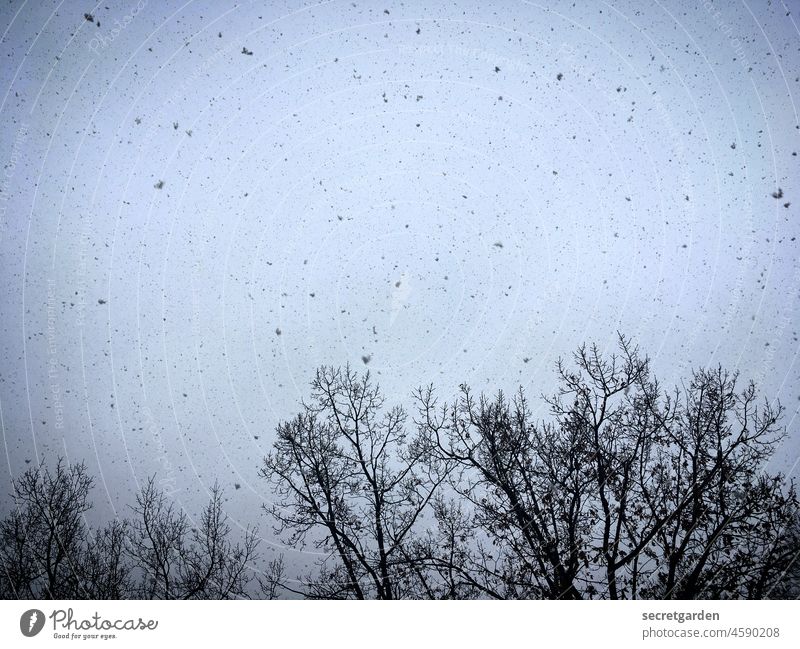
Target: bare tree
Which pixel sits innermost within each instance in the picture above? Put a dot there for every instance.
(157, 544)
(347, 478)
(43, 540)
(719, 521)
(106, 572)
(787, 585)
(456, 559)
(626, 492)
(510, 491)
(623, 491)
(274, 579)
(17, 566)
(217, 568)
(177, 561)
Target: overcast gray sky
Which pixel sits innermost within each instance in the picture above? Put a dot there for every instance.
(203, 201)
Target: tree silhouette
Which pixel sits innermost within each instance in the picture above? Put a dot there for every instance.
(347, 476)
(106, 572)
(180, 562)
(624, 490)
(43, 540)
(48, 551)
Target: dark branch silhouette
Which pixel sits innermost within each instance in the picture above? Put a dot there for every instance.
(48, 552)
(347, 476)
(180, 562)
(624, 490)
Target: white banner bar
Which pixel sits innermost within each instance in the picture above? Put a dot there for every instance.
(399, 624)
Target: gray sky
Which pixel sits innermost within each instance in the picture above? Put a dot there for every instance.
(458, 192)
